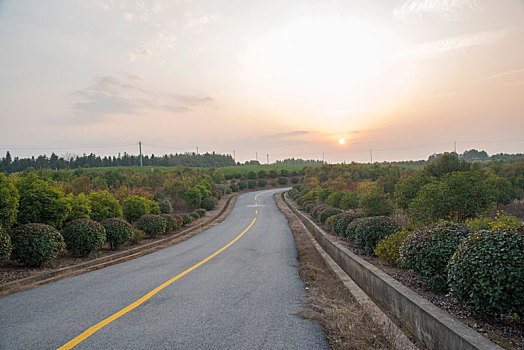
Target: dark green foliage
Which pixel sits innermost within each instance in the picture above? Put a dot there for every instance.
(316, 210)
(152, 225)
(251, 184)
(262, 174)
(136, 236)
(209, 203)
(218, 176)
(349, 201)
(373, 229)
(295, 180)
(262, 182)
(234, 187)
(486, 272)
(407, 189)
(78, 207)
(83, 236)
(456, 197)
(166, 206)
(9, 199)
(351, 229)
(284, 173)
(376, 204)
(324, 194)
(242, 185)
(334, 198)
(34, 244)
(201, 212)
(134, 207)
(186, 219)
(428, 250)
(5, 244)
(194, 215)
(118, 231)
(446, 164)
(341, 222)
(309, 205)
(104, 206)
(172, 222)
(326, 213)
(273, 174)
(252, 175)
(282, 180)
(501, 189)
(193, 196)
(40, 203)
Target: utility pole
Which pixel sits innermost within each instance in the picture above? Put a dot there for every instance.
(371, 156)
(256, 156)
(234, 157)
(140, 151)
(268, 158)
(197, 151)
(322, 156)
(455, 147)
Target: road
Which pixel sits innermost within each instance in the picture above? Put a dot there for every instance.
(243, 297)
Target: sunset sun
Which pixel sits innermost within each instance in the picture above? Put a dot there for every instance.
(341, 141)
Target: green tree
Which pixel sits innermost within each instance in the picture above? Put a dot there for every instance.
(193, 196)
(375, 204)
(407, 189)
(40, 203)
(501, 189)
(134, 207)
(334, 198)
(104, 206)
(78, 207)
(445, 164)
(218, 176)
(8, 202)
(349, 200)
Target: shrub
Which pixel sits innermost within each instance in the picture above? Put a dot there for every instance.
(428, 250)
(328, 212)
(166, 206)
(83, 236)
(104, 206)
(295, 180)
(316, 210)
(201, 212)
(273, 174)
(329, 222)
(194, 215)
(480, 223)
(5, 244)
(9, 199)
(375, 204)
(186, 219)
(78, 207)
(34, 244)
(351, 229)
(486, 272)
(134, 207)
(502, 220)
(349, 200)
(371, 230)
(388, 249)
(342, 220)
(242, 185)
(153, 206)
(209, 203)
(152, 225)
(136, 236)
(228, 190)
(282, 180)
(40, 203)
(334, 199)
(273, 183)
(172, 222)
(251, 184)
(234, 187)
(193, 196)
(118, 231)
(262, 182)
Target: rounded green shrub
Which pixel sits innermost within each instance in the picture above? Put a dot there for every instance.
(136, 236)
(351, 229)
(234, 187)
(209, 203)
(316, 210)
(388, 249)
(342, 220)
(194, 215)
(134, 207)
(34, 244)
(428, 250)
(329, 222)
(349, 201)
(334, 198)
(200, 211)
(83, 236)
(166, 206)
(171, 222)
(371, 230)
(5, 244)
(251, 184)
(118, 231)
(282, 180)
(376, 204)
(242, 185)
(262, 182)
(104, 206)
(8, 202)
(309, 205)
(328, 212)
(78, 207)
(152, 225)
(486, 272)
(228, 190)
(295, 180)
(186, 219)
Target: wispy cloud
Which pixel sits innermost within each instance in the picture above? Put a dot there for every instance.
(450, 10)
(126, 94)
(134, 54)
(452, 45)
(165, 38)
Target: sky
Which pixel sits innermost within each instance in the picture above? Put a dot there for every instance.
(396, 79)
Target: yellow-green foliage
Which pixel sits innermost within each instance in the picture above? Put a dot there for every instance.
(388, 248)
(329, 222)
(500, 220)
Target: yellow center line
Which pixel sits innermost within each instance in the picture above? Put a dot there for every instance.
(72, 343)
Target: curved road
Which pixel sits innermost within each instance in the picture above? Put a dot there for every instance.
(244, 297)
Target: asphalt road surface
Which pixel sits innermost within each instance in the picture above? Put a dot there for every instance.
(244, 297)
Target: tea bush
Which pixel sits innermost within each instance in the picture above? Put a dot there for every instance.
(171, 222)
(388, 249)
(83, 236)
(371, 230)
(242, 185)
(351, 229)
(428, 250)
(201, 212)
(251, 184)
(194, 215)
(186, 219)
(209, 203)
(282, 180)
(34, 244)
(341, 222)
(5, 244)
(136, 236)
(118, 232)
(262, 182)
(486, 272)
(166, 206)
(134, 207)
(152, 225)
(295, 180)
(326, 213)
(234, 187)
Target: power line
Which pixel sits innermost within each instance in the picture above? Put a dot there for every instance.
(68, 147)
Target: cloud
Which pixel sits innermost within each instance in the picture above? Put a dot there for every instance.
(126, 94)
(450, 10)
(448, 46)
(134, 54)
(166, 38)
(128, 16)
